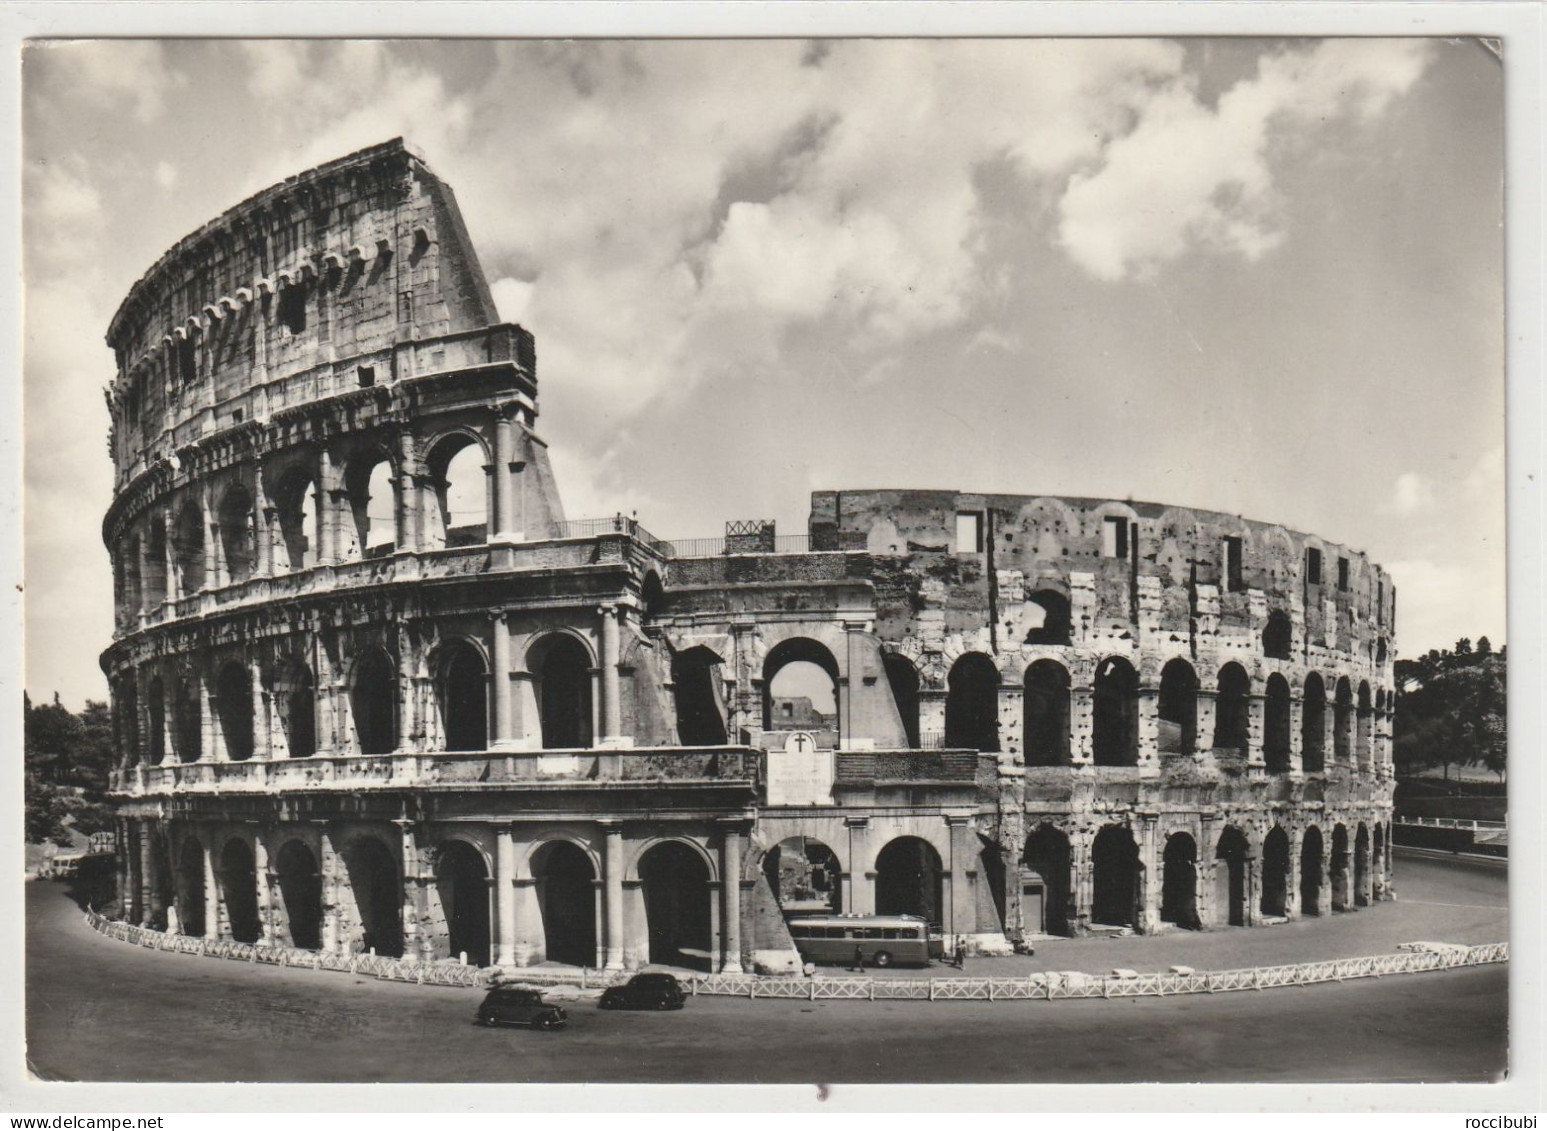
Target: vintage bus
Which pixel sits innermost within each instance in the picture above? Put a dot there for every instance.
(881, 940)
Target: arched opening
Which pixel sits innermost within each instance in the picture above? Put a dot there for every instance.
(188, 720)
(376, 893)
(296, 509)
(1231, 856)
(153, 580)
(1115, 877)
(1337, 870)
(1313, 725)
(1179, 882)
(972, 704)
(653, 595)
(1045, 700)
(238, 540)
(903, 678)
(1310, 872)
(566, 900)
(909, 880)
(163, 882)
(677, 898)
(1365, 718)
(300, 892)
(128, 718)
(239, 890)
(804, 875)
(1056, 621)
(373, 704)
(561, 667)
(460, 516)
(1275, 873)
(372, 494)
(1361, 865)
(233, 710)
(1231, 717)
(1276, 725)
(188, 550)
(1115, 720)
(1378, 860)
(298, 713)
(462, 886)
(464, 697)
(190, 889)
(1342, 719)
(1047, 854)
(158, 721)
(1381, 651)
(1277, 636)
(800, 688)
(698, 688)
(1178, 708)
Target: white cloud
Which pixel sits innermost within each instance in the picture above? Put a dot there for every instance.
(512, 298)
(110, 74)
(1190, 176)
(1412, 493)
(165, 174)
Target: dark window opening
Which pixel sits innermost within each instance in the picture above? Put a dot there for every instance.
(462, 884)
(1233, 853)
(1046, 704)
(1277, 636)
(1343, 574)
(698, 687)
(909, 880)
(373, 703)
(1179, 883)
(1115, 883)
(903, 679)
(566, 902)
(292, 308)
(564, 695)
(1115, 716)
(233, 710)
(1178, 708)
(1231, 717)
(366, 375)
(188, 360)
(1056, 623)
(464, 698)
(1313, 725)
(1233, 582)
(972, 704)
(1313, 565)
(1276, 726)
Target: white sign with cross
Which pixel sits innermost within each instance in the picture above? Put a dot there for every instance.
(800, 774)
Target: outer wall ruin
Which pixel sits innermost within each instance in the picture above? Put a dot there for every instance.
(373, 691)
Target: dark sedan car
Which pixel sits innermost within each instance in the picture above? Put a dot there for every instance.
(520, 1007)
(645, 991)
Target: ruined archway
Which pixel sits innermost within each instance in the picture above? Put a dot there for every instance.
(189, 887)
(561, 667)
(373, 703)
(1046, 705)
(188, 550)
(1342, 719)
(1056, 621)
(903, 678)
(800, 687)
(1310, 872)
(698, 688)
(374, 894)
(1231, 717)
(372, 492)
(909, 880)
(1178, 708)
(1313, 725)
(1179, 882)
(1115, 878)
(462, 887)
(298, 710)
(460, 516)
(1232, 856)
(1276, 725)
(188, 719)
(464, 697)
(1361, 866)
(1337, 869)
(677, 897)
(1047, 854)
(300, 894)
(972, 703)
(1275, 873)
(233, 711)
(295, 506)
(804, 875)
(238, 540)
(239, 890)
(1278, 636)
(566, 900)
(1115, 714)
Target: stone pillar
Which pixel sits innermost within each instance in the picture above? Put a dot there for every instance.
(327, 540)
(262, 525)
(169, 545)
(415, 946)
(262, 749)
(1254, 886)
(612, 832)
(1203, 883)
(1256, 713)
(962, 918)
(1151, 871)
(505, 522)
(409, 501)
(1079, 850)
(1208, 705)
(142, 551)
(1292, 880)
(1296, 739)
(732, 833)
(332, 869)
(211, 749)
(265, 879)
(1012, 719)
(505, 897)
(499, 680)
(123, 889)
(407, 708)
(612, 713)
(1149, 729)
(1082, 714)
(213, 558)
(213, 904)
(140, 870)
(859, 881)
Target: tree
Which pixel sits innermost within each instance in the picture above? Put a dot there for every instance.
(1451, 711)
(68, 761)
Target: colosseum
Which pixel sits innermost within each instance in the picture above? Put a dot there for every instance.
(375, 691)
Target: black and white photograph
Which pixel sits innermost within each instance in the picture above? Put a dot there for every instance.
(786, 560)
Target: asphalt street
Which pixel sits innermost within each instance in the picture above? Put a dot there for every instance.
(103, 1010)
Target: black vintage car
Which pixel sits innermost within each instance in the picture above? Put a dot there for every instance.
(520, 1007)
(645, 991)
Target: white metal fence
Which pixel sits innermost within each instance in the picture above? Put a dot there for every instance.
(1044, 986)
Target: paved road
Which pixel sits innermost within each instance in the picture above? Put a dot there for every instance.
(102, 1010)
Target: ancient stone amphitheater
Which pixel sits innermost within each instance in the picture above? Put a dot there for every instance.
(375, 691)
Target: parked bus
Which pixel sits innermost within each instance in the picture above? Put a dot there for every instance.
(880, 940)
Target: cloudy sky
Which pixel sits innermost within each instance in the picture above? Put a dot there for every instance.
(1259, 276)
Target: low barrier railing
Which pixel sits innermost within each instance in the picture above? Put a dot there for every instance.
(1452, 823)
(1043, 986)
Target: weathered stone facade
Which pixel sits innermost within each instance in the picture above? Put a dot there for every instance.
(374, 691)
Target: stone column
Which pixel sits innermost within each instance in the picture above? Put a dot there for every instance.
(730, 871)
(327, 541)
(213, 904)
(859, 892)
(123, 888)
(407, 713)
(265, 880)
(505, 896)
(413, 884)
(262, 749)
(169, 546)
(409, 502)
(1203, 883)
(963, 919)
(142, 551)
(1079, 849)
(1256, 712)
(140, 871)
(332, 868)
(612, 714)
(1253, 907)
(1208, 706)
(1296, 739)
(504, 484)
(214, 560)
(262, 527)
(1081, 720)
(1150, 865)
(1292, 880)
(211, 749)
(612, 832)
(499, 680)
(1149, 729)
